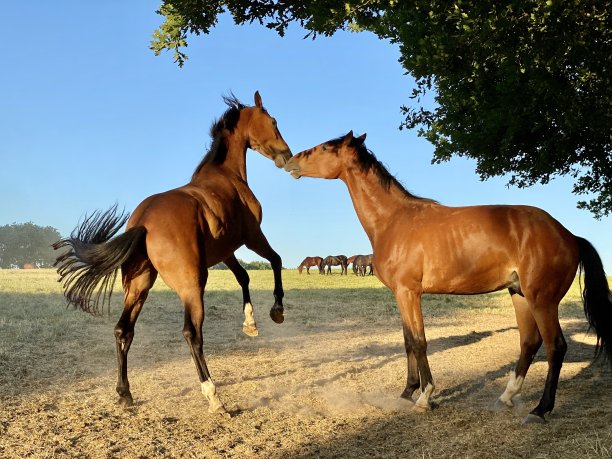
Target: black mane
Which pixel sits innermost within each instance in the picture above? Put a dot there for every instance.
(367, 161)
(228, 121)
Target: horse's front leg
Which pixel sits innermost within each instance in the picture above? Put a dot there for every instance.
(409, 302)
(259, 244)
(412, 379)
(249, 327)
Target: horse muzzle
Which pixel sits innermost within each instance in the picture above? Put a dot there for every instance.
(280, 157)
(293, 168)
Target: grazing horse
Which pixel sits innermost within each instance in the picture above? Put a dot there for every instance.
(426, 247)
(309, 262)
(180, 234)
(335, 260)
(362, 263)
(350, 260)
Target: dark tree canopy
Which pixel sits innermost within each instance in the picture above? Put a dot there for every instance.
(27, 243)
(522, 87)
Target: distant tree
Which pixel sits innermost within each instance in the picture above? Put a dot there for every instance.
(251, 265)
(524, 87)
(22, 243)
(256, 265)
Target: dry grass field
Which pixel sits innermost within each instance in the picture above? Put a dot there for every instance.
(325, 383)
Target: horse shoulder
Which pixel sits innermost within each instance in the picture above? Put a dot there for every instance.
(249, 201)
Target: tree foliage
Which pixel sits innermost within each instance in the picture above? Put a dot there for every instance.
(248, 265)
(522, 87)
(27, 243)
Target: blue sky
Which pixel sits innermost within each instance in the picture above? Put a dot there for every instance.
(89, 117)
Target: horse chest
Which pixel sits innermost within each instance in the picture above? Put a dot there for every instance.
(251, 208)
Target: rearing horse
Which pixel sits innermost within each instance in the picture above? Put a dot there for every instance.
(180, 234)
(421, 246)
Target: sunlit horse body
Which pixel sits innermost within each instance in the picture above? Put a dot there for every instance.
(309, 262)
(179, 234)
(421, 246)
(334, 260)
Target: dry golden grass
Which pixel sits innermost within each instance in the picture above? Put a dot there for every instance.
(325, 383)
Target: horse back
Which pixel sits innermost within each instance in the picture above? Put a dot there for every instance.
(198, 224)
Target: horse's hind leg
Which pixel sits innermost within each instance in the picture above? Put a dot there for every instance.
(547, 318)
(193, 302)
(249, 327)
(530, 343)
(136, 291)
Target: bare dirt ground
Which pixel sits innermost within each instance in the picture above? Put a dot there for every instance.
(326, 383)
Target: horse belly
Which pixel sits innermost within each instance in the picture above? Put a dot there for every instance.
(470, 272)
(469, 283)
(218, 249)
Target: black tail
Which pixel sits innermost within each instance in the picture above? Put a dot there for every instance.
(596, 297)
(93, 258)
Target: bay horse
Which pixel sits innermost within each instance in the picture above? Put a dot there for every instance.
(309, 262)
(350, 260)
(421, 246)
(180, 234)
(335, 260)
(362, 263)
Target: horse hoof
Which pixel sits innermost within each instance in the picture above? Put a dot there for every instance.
(277, 315)
(219, 409)
(503, 406)
(421, 408)
(125, 401)
(534, 419)
(250, 330)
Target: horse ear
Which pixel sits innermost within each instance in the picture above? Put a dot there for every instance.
(361, 138)
(347, 138)
(258, 101)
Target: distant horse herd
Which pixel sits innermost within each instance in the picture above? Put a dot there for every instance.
(362, 264)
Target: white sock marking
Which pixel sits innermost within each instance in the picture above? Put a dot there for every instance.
(512, 388)
(249, 318)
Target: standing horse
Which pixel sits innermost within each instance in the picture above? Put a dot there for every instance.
(362, 263)
(335, 260)
(421, 246)
(350, 260)
(180, 234)
(309, 262)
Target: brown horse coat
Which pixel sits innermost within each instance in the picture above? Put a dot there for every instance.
(421, 246)
(179, 234)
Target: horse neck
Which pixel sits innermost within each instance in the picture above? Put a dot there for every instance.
(375, 205)
(235, 159)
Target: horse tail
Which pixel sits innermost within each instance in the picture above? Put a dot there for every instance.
(88, 268)
(596, 297)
